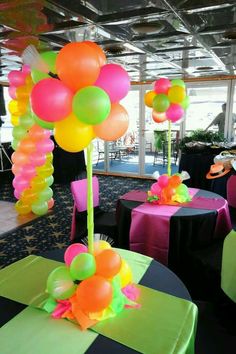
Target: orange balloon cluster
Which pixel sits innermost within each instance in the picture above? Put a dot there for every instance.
(100, 278)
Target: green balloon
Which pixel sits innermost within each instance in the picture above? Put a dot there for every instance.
(19, 132)
(91, 105)
(14, 144)
(45, 194)
(42, 123)
(50, 59)
(178, 82)
(49, 180)
(160, 103)
(182, 189)
(26, 121)
(40, 207)
(186, 102)
(59, 283)
(83, 266)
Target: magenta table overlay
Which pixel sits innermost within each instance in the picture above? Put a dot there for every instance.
(150, 223)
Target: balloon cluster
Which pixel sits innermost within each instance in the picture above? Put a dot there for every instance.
(168, 100)
(169, 189)
(32, 159)
(90, 287)
(82, 98)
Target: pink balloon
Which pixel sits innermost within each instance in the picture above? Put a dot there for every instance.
(174, 112)
(17, 194)
(156, 189)
(162, 86)
(72, 251)
(114, 80)
(163, 181)
(12, 92)
(26, 69)
(20, 183)
(45, 146)
(37, 159)
(16, 78)
(28, 171)
(51, 100)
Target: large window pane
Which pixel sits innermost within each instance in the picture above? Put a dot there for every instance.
(205, 110)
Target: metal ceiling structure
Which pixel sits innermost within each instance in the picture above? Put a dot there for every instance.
(150, 38)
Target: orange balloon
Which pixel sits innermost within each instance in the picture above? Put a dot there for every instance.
(28, 196)
(20, 158)
(77, 65)
(148, 98)
(27, 145)
(175, 181)
(158, 117)
(16, 169)
(94, 294)
(108, 263)
(100, 53)
(50, 203)
(115, 125)
(36, 132)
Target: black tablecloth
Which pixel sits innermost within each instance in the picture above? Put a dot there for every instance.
(157, 277)
(190, 230)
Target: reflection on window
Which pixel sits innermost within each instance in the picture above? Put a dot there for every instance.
(6, 130)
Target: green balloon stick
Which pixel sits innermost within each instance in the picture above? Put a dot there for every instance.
(169, 149)
(90, 216)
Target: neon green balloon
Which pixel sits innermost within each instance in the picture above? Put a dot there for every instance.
(42, 123)
(49, 180)
(14, 144)
(91, 105)
(39, 208)
(19, 132)
(26, 121)
(50, 59)
(185, 103)
(161, 103)
(45, 194)
(178, 82)
(59, 283)
(82, 266)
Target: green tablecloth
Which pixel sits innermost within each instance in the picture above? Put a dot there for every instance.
(164, 324)
(228, 270)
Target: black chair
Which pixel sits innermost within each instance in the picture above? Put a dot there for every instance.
(104, 222)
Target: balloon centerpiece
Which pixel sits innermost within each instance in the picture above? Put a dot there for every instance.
(76, 94)
(168, 100)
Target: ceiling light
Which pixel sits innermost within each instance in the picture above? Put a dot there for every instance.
(147, 27)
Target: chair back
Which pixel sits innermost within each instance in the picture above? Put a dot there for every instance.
(79, 193)
(231, 191)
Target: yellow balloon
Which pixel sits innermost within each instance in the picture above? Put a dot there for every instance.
(100, 245)
(148, 98)
(72, 135)
(49, 157)
(46, 170)
(28, 196)
(38, 183)
(23, 92)
(125, 274)
(15, 120)
(22, 208)
(176, 94)
(17, 108)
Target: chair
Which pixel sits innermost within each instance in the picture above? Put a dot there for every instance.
(104, 222)
(231, 198)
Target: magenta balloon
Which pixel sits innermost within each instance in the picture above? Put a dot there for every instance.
(51, 100)
(162, 86)
(45, 146)
(72, 251)
(28, 171)
(16, 78)
(114, 80)
(156, 189)
(20, 183)
(37, 159)
(12, 92)
(174, 112)
(163, 181)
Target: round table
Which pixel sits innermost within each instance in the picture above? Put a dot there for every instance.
(156, 276)
(189, 228)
